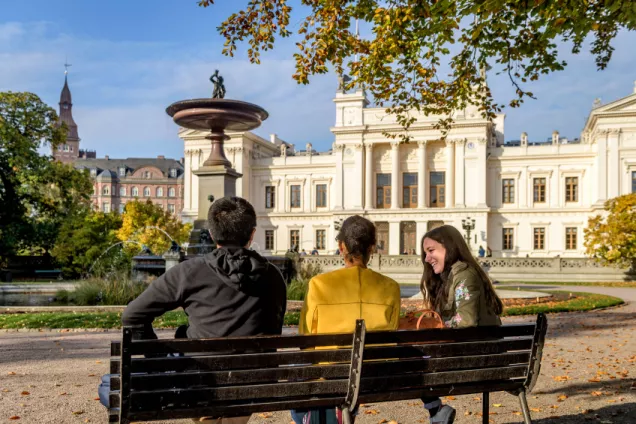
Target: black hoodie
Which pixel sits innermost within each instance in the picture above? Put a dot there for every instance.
(232, 291)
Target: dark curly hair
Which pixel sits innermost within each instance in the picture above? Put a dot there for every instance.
(358, 235)
(231, 221)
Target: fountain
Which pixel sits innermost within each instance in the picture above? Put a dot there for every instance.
(216, 176)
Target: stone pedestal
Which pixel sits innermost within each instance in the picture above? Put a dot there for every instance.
(172, 259)
(217, 181)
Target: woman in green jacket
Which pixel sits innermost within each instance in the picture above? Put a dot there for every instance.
(455, 286)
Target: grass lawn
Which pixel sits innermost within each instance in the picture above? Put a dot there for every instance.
(595, 284)
(561, 302)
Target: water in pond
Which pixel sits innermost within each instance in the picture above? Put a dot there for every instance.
(29, 299)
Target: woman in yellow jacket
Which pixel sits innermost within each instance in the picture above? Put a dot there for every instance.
(335, 300)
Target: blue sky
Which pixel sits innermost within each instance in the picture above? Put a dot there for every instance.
(131, 59)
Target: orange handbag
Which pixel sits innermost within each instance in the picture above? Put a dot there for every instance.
(421, 320)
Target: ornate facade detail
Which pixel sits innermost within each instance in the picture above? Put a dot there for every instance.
(482, 141)
(368, 147)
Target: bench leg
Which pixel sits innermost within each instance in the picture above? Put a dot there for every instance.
(524, 407)
(485, 407)
(346, 416)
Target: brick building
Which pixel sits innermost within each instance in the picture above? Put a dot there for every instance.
(118, 181)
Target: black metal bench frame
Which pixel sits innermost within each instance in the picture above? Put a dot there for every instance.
(238, 376)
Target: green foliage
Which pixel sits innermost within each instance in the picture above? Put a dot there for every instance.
(401, 62)
(115, 291)
(36, 193)
(611, 239)
(582, 302)
(297, 289)
(85, 236)
(139, 215)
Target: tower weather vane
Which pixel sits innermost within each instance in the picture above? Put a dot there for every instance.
(66, 66)
(219, 87)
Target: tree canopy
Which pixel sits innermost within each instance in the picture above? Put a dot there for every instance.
(403, 63)
(611, 239)
(36, 192)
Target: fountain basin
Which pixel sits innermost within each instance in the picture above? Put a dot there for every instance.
(217, 115)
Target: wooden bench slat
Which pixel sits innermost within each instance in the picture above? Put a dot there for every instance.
(372, 369)
(418, 380)
(150, 382)
(115, 348)
(179, 398)
(447, 349)
(455, 389)
(229, 409)
(455, 334)
(238, 344)
(237, 362)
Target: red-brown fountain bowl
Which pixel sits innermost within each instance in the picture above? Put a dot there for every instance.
(217, 114)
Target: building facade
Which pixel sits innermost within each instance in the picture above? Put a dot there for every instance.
(520, 199)
(118, 181)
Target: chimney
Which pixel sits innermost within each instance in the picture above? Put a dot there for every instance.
(106, 157)
(524, 138)
(182, 161)
(161, 157)
(555, 137)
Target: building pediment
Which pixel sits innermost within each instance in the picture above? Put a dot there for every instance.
(625, 104)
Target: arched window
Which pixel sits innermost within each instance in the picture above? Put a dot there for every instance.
(146, 192)
(171, 192)
(135, 192)
(159, 191)
(106, 190)
(122, 191)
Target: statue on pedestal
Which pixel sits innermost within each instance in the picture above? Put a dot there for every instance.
(219, 87)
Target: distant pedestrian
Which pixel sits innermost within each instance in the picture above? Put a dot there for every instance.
(481, 252)
(314, 252)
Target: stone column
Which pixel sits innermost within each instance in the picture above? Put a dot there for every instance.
(187, 193)
(460, 180)
(196, 163)
(305, 192)
(420, 230)
(238, 166)
(421, 175)
(395, 175)
(450, 173)
(394, 238)
(522, 186)
(368, 177)
(172, 259)
(482, 169)
(339, 151)
(279, 195)
(356, 185)
(613, 163)
(601, 166)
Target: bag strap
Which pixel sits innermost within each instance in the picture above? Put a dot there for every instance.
(431, 312)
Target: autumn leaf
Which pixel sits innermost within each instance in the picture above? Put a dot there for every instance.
(561, 378)
(594, 380)
(266, 415)
(371, 412)
(497, 405)
(11, 373)
(78, 412)
(595, 393)
(25, 393)
(15, 417)
(535, 409)
(450, 398)
(561, 398)
(517, 412)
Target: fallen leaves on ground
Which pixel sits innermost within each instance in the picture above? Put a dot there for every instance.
(266, 415)
(561, 398)
(25, 393)
(371, 412)
(11, 373)
(15, 417)
(78, 412)
(561, 378)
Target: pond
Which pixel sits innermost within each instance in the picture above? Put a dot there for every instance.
(28, 299)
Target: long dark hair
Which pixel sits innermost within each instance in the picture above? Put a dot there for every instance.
(435, 287)
(358, 235)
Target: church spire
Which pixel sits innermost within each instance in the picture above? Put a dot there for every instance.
(66, 109)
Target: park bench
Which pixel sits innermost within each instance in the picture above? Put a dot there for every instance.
(238, 376)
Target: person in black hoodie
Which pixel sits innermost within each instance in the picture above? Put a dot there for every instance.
(232, 291)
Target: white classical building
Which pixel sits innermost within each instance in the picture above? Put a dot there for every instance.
(526, 199)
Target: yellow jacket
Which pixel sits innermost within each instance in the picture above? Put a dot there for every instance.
(336, 299)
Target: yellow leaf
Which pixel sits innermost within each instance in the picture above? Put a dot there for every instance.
(78, 412)
(497, 405)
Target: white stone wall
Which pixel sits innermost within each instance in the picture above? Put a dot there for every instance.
(472, 156)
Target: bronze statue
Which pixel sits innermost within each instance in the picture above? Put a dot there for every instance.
(219, 88)
(343, 79)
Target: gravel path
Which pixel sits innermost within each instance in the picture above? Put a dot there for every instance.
(588, 375)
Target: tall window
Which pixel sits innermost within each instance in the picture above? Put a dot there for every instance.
(122, 191)
(294, 238)
(633, 181)
(134, 192)
(571, 189)
(383, 191)
(570, 238)
(294, 199)
(146, 192)
(508, 239)
(270, 197)
(269, 239)
(438, 189)
(106, 207)
(106, 190)
(171, 208)
(321, 235)
(321, 195)
(539, 238)
(159, 191)
(173, 173)
(508, 188)
(409, 190)
(539, 190)
(171, 192)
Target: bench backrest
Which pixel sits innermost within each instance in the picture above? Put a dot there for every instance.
(242, 375)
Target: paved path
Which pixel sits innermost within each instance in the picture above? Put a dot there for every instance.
(588, 357)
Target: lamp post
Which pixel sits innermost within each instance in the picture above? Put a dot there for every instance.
(468, 225)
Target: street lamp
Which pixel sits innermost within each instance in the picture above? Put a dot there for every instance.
(468, 225)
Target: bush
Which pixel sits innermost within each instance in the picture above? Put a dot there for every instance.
(299, 285)
(114, 291)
